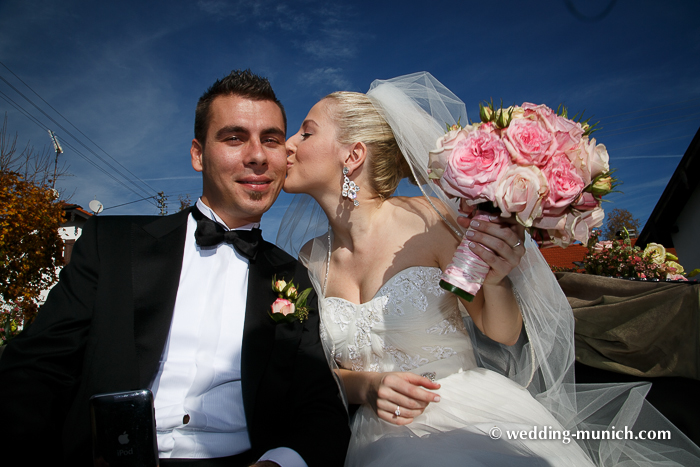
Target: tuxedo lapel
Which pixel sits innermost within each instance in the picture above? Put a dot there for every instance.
(261, 334)
(157, 252)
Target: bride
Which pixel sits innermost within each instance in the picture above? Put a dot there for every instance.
(494, 388)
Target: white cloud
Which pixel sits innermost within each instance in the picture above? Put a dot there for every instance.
(332, 77)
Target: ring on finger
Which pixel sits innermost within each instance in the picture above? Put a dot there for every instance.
(397, 412)
(517, 245)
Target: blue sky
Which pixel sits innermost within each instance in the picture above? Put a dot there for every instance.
(127, 76)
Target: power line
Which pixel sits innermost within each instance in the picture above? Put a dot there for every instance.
(130, 202)
(74, 137)
(44, 127)
(21, 110)
(71, 123)
(101, 169)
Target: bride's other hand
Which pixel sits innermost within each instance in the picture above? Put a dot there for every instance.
(403, 390)
(498, 241)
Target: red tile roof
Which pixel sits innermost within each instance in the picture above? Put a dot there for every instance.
(564, 257)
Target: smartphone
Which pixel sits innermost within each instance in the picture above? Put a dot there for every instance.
(124, 429)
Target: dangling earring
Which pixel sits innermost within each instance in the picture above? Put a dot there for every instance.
(349, 188)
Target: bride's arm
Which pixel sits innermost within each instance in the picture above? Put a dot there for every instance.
(384, 392)
(494, 309)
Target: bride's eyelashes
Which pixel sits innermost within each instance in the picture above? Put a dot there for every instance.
(305, 135)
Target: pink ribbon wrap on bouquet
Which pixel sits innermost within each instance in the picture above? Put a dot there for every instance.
(466, 273)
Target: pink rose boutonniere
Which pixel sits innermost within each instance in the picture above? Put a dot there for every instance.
(290, 304)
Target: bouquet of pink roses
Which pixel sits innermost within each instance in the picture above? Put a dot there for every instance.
(527, 162)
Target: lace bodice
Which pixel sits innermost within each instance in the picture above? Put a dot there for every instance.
(411, 324)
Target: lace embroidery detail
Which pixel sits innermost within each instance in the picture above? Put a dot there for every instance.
(413, 284)
(440, 352)
(341, 313)
(409, 304)
(367, 318)
(404, 361)
(446, 326)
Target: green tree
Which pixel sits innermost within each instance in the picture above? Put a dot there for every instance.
(619, 219)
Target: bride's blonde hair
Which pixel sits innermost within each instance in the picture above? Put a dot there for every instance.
(357, 120)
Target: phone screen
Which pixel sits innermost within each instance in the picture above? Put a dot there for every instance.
(123, 429)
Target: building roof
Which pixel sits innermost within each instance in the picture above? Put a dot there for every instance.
(662, 221)
(73, 211)
(564, 257)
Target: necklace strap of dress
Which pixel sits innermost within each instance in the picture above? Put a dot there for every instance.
(328, 262)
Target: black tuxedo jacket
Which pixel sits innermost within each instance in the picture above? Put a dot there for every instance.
(105, 324)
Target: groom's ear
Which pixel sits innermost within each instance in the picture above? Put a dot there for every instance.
(196, 152)
(357, 156)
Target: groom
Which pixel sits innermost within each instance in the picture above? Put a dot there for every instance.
(157, 302)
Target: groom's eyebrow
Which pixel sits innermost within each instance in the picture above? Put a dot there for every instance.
(235, 129)
(274, 131)
(231, 129)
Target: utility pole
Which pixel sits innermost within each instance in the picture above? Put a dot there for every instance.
(59, 150)
(162, 203)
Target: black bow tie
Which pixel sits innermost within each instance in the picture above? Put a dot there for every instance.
(210, 233)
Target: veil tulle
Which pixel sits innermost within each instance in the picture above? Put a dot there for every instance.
(419, 108)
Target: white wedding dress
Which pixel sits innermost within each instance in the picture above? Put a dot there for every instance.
(414, 325)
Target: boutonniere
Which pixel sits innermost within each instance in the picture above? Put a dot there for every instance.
(291, 304)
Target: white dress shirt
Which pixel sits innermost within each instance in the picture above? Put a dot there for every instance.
(198, 398)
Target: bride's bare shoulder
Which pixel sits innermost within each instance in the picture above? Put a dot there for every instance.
(423, 208)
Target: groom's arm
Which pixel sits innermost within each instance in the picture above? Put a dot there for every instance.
(40, 368)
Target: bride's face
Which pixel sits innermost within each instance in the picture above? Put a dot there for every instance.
(314, 157)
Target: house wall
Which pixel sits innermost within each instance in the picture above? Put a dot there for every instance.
(69, 232)
(686, 239)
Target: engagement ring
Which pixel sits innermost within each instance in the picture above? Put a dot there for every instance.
(397, 412)
(517, 244)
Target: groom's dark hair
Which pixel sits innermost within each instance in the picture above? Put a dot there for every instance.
(242, 83)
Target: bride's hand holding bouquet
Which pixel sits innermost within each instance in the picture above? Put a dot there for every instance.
(526, 163)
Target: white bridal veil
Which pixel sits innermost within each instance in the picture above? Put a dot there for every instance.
(418, 108)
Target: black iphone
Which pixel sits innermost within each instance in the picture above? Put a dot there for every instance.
(124, 429)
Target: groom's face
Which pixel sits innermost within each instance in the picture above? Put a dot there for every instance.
(243, 160)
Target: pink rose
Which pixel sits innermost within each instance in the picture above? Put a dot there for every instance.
(529, 142)
(563, 230)
(520, 190)
(604, 245)
(565, 185)
(589, 159)
(566, 132)
(438, 157)
(587, 222)
(676, 277)
(291, 293)
(283, 306)
(585, 202)
(489, 127)
(473, 166)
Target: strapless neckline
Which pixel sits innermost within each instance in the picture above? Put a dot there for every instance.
(384, 286)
